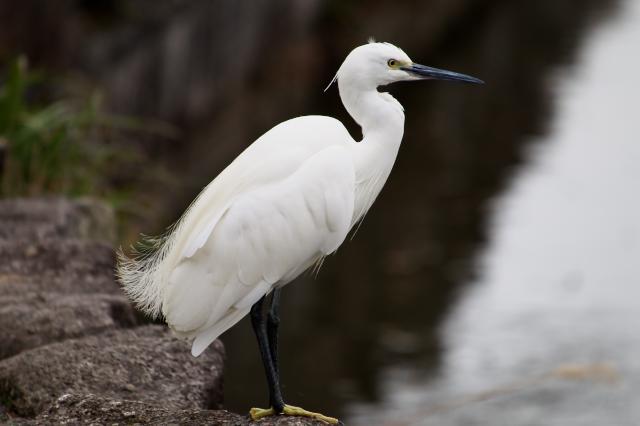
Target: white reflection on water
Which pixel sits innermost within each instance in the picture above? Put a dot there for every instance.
(559, 286)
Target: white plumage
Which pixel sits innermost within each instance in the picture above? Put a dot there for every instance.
(287, 201)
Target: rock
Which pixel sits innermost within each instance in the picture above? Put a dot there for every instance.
(4, 418)
(96, 220)
(31, 219)
(31, 320)
(56, 257)
(12, 285)
(145, 364)
(57, 265)
(74, 409)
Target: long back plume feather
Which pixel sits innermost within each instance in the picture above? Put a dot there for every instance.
(142, 274)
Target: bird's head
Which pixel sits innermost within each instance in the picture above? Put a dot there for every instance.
(378, 64)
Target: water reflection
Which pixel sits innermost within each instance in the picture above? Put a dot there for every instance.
(376, 307)
(548, 333)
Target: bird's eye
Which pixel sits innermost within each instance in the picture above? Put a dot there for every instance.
(392, 63)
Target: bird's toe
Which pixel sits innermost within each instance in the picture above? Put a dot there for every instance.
(258, 413)
(290, 410)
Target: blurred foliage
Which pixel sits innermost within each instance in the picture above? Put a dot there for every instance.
(65, 146)
(46, 148)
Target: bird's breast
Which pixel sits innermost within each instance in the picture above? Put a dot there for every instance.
(374, 159)
(366, 192)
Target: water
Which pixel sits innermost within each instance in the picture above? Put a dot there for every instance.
(548, 332)
(442, 311)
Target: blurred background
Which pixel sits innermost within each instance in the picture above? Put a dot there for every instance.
(496, 279)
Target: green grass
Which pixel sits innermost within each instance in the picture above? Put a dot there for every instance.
(59, 146)
(44, 147)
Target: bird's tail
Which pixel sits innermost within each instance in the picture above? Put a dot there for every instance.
(140, 273)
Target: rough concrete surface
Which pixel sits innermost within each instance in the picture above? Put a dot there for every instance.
(72, 348)
(73, 409)
(56, 265)
(145, 363)
(56, 257)
(13, 285)
(31, 320)
(31, 219)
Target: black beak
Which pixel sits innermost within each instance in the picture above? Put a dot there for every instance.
(429, 73)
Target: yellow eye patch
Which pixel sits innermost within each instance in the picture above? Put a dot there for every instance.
(395, 64)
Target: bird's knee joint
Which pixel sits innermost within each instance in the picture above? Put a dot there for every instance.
(274, 320)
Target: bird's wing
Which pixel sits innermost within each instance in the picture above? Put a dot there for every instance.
(270, 159)
(264, 235)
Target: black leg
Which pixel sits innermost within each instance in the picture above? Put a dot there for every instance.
(273, 322)
(260, 329)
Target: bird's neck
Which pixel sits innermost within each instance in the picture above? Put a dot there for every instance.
(381, 118)
(380, 115)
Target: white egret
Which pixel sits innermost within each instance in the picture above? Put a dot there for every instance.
(282, 205)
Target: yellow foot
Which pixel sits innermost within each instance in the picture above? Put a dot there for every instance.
(290, 410)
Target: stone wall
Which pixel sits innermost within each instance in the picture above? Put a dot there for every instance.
(72, 347)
